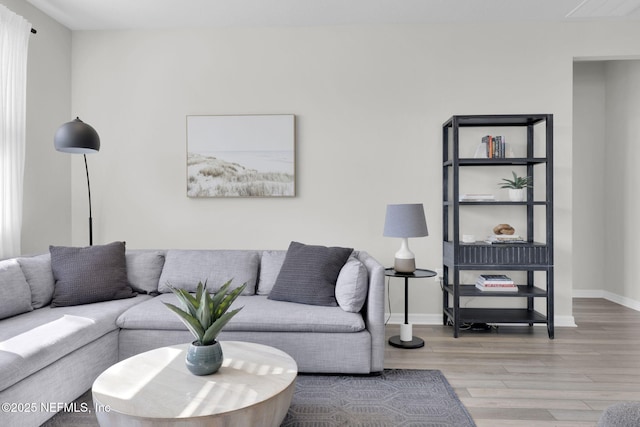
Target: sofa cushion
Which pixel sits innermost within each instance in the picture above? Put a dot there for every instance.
(144, 268)
(37, 271)
(15, 294)
(185, 268)
(259, 314)
(270, 265)
(352, 285)
(32, 341)
(90, 274)
(309, 273)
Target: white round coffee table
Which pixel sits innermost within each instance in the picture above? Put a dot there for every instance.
(254, 387)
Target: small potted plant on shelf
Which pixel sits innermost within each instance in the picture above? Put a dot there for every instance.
(517, 187)
(205, 315)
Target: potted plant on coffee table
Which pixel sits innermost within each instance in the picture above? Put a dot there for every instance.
(205, 315)
(517, 187)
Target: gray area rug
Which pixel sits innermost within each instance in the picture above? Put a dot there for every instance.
(397, 397)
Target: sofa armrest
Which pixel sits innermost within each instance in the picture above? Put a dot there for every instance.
(373, 310)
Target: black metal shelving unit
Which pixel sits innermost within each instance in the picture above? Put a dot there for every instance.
(530, 257)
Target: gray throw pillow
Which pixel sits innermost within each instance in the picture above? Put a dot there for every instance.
(309, 273)
(15, 294)
(270, 265)
(37, 271)
(352, 285)
(143, 270)
(90, 274)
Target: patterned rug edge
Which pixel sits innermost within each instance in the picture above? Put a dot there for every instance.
(395, 397)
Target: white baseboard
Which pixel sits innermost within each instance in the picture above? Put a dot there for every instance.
(436, 319)
(610, 296)
(565, 322)
(416, 319)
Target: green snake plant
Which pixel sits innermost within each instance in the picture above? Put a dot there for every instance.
(517, 182)
(204, 314)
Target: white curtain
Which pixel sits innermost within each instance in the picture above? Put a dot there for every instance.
(14, 44)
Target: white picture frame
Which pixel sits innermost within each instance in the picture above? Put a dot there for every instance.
(241, 155)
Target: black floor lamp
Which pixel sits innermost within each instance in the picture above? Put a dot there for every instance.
(77, 137)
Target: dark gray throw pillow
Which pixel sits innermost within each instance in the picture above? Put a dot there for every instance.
(90, 274)
(309, 274)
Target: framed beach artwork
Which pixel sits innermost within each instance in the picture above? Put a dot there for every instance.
(241, 156)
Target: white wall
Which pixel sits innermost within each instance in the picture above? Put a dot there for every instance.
(590, 145)
(369, 102)
(606, 131)
(622, 195)
(47, 187)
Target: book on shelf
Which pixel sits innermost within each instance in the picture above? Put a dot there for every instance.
(505, 238)
(495, 280)
(495, 276)
(509, 288)
(477, 197)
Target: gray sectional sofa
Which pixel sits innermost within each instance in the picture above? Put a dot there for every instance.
(50, 354)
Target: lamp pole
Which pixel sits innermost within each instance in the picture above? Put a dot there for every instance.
(86, 168)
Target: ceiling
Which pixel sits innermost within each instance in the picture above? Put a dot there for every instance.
(147, 14)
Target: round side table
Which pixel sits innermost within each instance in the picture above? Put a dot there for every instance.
(254, 387)
(420, 273)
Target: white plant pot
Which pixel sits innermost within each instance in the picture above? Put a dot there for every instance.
(517, 194)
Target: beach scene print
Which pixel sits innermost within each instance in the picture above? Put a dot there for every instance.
(241, 156)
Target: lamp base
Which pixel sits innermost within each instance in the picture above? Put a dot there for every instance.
(406, 332)
(406, 338)
(414, 342)
(404, 265)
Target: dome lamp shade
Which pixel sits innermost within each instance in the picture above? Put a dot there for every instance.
(77, 137)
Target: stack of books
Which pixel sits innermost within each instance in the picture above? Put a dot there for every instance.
(505, 238)
(477, 198)
(495, 146)
(496, 283)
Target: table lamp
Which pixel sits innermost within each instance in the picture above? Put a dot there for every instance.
(404, 221)
(77, 137)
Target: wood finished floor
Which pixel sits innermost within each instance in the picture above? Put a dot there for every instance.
(518, 377)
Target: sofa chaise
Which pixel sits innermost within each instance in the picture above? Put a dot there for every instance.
(57, 336)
